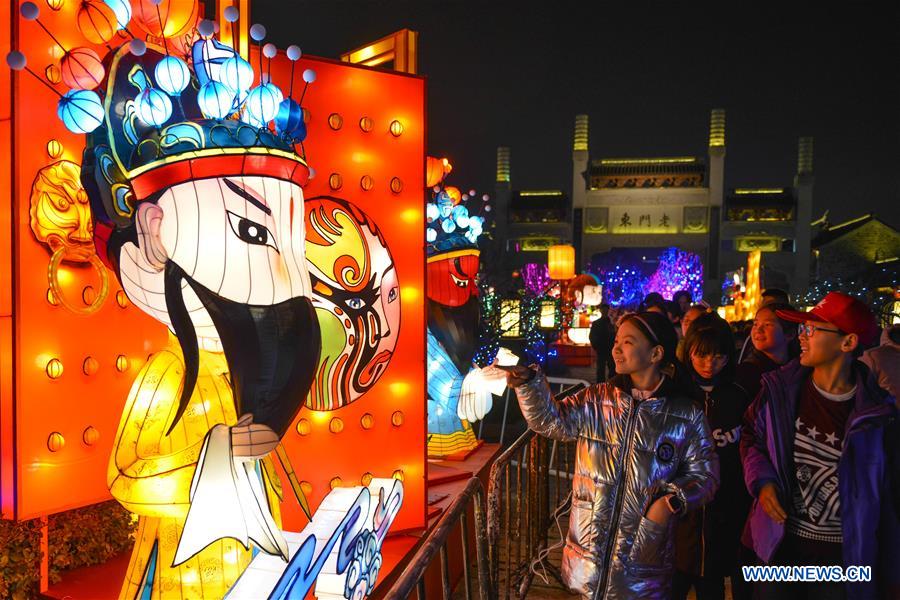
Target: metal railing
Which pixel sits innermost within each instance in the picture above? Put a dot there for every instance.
(412, 577)
(528, 484)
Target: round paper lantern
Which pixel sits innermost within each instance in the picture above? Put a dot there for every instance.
(122, 10)
(289, 120)
(81, 111)
(97, 21)
(237, 74)
(153, 106)
(81, 69)
(165, 19)
(215, 100)
(172, 75)
(261, 105)
(430, 234)
(448, 225)
(454, 193)
(434, 169)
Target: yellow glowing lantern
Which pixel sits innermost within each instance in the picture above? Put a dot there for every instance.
(55, 4)
(335, 121)
(54, 368)
(303, 427)
(90, 366)
(561, 261)
(335, 482)
(54, 149)
(434, 170)
(56, 442)
(335, 181)
(367, 421)
(366, 124)
(366, 183)
(366, 479)
(89, 295)
(336, 425)
(122, 299)
(121, 363)
(53, 74)
(397, 419)
(396, 128)
(90, 436)
(396, 185)
(398, 475)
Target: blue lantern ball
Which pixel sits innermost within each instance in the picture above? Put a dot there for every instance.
(257, 32)
(431, 211)
(293, 52)
(309, 75)
(172, 75)
(153, 106)
(289, 120)
(137, 47)
(206, 28)
(448, 226)
(430, 234)
(215, 100)
(29, 11)
(237, 74)
(460, 211)
(16, 60)
(81, 111)
(122, 10)
(261, 105)
(232, 14)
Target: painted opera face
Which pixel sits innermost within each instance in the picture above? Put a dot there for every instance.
(357, 300)
(221, 262)
(451, 277)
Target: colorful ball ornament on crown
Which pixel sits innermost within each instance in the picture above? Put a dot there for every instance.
(216, 100)
(96, 21)
(81, 69)
(81, 111)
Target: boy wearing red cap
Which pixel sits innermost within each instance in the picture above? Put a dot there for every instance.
(814, 460)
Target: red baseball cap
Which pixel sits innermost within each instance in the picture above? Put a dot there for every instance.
(847, 313)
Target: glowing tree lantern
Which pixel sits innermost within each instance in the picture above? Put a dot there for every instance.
(96, 21)
(81, 69)
(561, 262)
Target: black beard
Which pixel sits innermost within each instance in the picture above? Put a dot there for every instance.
(456, 328)
(272, 350)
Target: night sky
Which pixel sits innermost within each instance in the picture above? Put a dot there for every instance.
(501, 73)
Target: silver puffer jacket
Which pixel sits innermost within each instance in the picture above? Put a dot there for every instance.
(629, 452)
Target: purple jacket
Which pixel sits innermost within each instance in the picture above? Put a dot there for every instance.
(871, 527)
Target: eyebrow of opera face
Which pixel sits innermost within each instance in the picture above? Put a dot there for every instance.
(257, 202)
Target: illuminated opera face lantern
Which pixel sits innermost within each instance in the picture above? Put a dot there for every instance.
(60, 211)
(585, 290)
(454, 310)
(357, 300)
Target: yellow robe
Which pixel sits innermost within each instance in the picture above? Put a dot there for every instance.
(150, 474)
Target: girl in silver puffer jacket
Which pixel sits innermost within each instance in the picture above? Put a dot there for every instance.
(644, 454)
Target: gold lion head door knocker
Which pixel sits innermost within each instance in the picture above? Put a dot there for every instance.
(61, 218)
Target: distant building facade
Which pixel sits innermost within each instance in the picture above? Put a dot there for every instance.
(656, 203)
(853, 248)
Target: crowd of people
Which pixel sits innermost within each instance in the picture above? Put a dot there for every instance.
(702, 452)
